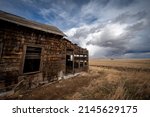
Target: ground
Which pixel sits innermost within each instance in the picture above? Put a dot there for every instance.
(106, 79)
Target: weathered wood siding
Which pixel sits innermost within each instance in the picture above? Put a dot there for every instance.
(14, 40)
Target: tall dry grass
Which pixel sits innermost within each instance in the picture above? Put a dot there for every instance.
(117, 85)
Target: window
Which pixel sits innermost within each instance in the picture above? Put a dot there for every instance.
(32, 59)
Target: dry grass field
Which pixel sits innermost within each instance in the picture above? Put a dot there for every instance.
(106, 79)
(140, 64)
(128, 78)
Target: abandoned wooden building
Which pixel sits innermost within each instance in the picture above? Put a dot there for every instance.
(35, 52)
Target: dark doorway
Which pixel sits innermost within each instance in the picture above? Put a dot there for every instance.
(69, 61)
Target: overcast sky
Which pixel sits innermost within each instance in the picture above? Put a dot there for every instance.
(107, 28)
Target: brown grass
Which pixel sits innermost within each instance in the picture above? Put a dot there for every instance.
(122, 63)
(106, 79)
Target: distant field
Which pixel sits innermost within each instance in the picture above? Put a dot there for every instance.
(106, 79)
(127, 63)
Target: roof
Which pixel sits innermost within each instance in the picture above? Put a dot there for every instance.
(28, 23)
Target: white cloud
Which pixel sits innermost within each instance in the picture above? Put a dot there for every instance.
(98, 38)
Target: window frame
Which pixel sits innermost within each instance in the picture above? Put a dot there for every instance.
(24, 57)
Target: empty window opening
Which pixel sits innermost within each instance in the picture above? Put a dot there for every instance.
(77, 57)
(32, 59)
(70, 57)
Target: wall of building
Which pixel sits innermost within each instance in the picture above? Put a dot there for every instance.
(18, 42)
(15, 39)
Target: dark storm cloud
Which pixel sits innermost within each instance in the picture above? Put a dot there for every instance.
(117, 45)
(122, 3)
(127, 42)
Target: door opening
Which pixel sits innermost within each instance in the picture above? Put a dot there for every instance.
(69, 61)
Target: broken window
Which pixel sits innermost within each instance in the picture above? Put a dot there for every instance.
(32, 59)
